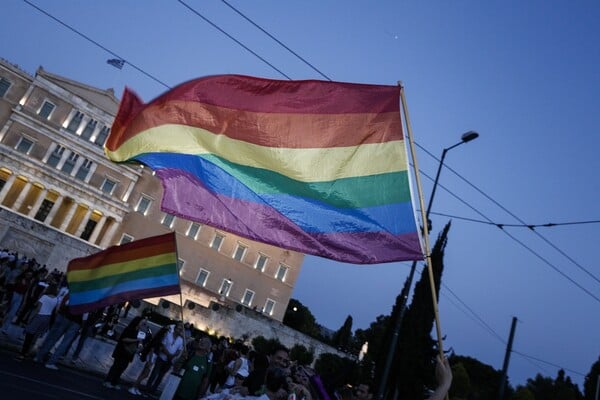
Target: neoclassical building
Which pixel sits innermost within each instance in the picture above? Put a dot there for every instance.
(70, 200)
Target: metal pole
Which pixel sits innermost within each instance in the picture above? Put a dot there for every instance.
(597, 387)
(507, 358)
(409, 279)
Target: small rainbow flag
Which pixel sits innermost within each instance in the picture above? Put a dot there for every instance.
(312, 166)
(136, 270)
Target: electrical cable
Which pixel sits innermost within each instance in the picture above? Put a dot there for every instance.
(183, 3)
(69, 27)
(276, 40)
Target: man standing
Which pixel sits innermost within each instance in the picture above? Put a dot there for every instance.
(171, 347)
(194, 382)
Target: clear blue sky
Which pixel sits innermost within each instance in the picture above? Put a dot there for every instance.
(523, 74)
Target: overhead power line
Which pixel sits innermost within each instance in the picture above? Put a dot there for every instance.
(500, 225)
(277, 40)
(473, 315)
(539, 235)
(72, 29)
(190, 8)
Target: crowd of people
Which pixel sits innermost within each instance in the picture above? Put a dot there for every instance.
(37, 299)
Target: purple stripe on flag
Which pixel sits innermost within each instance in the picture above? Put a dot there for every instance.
(188, 198)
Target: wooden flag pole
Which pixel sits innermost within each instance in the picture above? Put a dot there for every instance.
(185, 355)
(424, 219)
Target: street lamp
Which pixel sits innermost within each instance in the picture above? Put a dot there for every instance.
(466, 137)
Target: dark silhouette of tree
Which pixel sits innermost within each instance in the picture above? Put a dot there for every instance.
(484, 380)
(335, 371)
(342, 338)
(413, 366)
(591, 380)
(297, 316)
(263, 345)
(560, 388)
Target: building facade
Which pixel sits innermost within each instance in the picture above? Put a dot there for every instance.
(53, 173)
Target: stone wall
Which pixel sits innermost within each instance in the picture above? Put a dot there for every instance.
(44, 243)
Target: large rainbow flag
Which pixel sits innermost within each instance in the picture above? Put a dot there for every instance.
(136, 270)
(312, 166)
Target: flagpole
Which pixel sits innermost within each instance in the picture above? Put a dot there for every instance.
(424, 219)
(180, 296)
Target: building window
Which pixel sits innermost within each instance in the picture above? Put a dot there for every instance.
(202, 277)
(102, 135)
(44, 210)
(55, 156)
(180, 264)
(46, 109)
(108, 186)
(281, 273)
(84, 170)
(168, 220)
(89, 129)
(75, 122)
(193, 230)
(261, 262)
(24, 146)
(217, 241)
(143, 205)
(269, 307)
(248, 297)
(240, 251)
(4, 86)
(225, 287)
(70, 163)
(126, 239)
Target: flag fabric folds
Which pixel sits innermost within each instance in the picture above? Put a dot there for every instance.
(116, 62)
(136, 270)
(312, 166)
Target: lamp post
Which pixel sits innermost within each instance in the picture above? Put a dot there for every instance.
(466, 137)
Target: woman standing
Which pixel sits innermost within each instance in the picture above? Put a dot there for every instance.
(127, 345)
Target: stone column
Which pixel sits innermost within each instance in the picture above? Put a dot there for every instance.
(38, 203)
(97, 229)
(91, 173)
(83, 223)
(9, 182)
(68, 217)
(78, 163)
(19, 201)
(108, 237)
(5, 129)
(54, 210)
(66, 153)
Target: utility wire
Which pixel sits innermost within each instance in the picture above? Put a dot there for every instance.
(183, 3)
(69, 27)
(539, 256)
(277, 40)
(547, 225)
(581, 267)
(472, 314)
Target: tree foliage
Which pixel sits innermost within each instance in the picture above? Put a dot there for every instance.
(591, 381)
(297, 316)
(342, 338)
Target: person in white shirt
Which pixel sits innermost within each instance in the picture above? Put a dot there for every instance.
(40, 321)
(170, 349)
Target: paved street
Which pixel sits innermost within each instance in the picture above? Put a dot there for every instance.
(28, 380)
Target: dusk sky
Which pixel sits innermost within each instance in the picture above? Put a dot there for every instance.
(524, 74)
